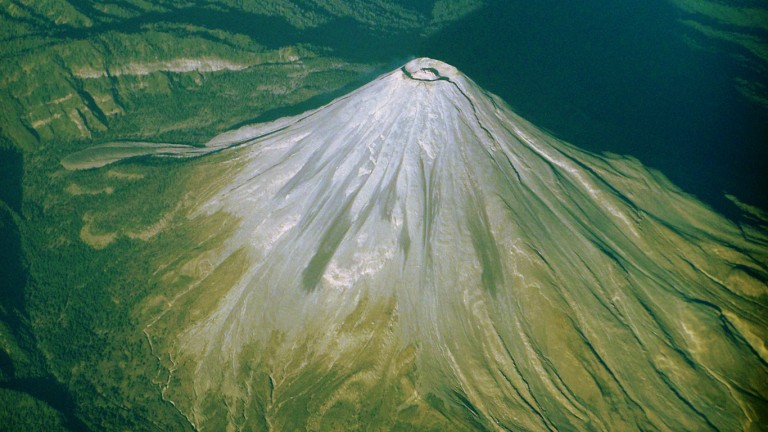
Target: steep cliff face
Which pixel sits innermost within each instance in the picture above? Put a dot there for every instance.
(416, 255)
(72, 92)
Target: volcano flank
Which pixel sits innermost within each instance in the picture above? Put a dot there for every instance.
(416, 256)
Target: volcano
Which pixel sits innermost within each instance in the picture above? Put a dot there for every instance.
(416, 256)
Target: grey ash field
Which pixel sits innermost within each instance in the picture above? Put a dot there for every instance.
(228, 216)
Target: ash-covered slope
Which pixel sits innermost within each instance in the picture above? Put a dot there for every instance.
(416, 256)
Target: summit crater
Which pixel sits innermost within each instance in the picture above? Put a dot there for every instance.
(427, 69)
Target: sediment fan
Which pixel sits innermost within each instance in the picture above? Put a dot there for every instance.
(416, 256)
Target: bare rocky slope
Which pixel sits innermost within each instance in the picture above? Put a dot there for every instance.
(414, 255)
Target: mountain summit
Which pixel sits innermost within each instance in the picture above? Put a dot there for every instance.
(416, 256)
